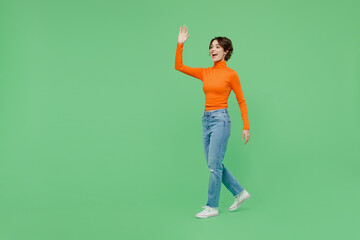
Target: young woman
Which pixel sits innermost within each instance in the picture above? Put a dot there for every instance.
(218, 81)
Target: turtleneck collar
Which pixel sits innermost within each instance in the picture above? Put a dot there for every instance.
(220, 64)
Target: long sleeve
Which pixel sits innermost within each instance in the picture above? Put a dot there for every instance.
(235, 85)
(194, 72)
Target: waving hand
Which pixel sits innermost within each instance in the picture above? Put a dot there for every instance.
(183, 35)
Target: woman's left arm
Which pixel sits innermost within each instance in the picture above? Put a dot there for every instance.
(236, 87)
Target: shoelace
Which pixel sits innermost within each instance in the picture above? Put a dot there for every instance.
(207, 208)
(238, 196)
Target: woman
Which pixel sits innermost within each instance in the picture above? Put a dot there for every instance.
(218, 81)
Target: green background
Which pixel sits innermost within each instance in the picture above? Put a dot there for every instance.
(101, 138)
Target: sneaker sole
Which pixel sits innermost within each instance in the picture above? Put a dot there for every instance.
(212, 215)
(238, 205)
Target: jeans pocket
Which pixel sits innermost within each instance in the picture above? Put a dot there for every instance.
(218, 117)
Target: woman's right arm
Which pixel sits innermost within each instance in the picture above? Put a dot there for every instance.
(194, 72)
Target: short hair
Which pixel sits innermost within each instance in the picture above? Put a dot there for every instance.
(226, 44)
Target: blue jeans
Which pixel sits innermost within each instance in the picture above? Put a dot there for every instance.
(216, 132)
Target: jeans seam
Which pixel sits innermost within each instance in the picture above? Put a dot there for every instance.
(218, 157)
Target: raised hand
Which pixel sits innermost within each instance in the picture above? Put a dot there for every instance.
(183, 35)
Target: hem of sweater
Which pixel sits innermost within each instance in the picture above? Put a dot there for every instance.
(214, 108)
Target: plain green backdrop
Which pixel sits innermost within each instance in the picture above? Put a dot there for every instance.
(101, 138)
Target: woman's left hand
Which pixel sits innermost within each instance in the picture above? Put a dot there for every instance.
(246, 134)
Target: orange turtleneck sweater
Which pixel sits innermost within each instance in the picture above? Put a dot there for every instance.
(217, 84)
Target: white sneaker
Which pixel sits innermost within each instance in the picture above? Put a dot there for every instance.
(239, 199)
(208, 212)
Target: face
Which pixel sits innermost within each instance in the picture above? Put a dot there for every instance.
(216, 51)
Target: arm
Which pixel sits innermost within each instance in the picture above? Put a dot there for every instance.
(194, 72)
(235, 85)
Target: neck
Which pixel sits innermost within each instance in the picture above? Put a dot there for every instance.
(220, 64)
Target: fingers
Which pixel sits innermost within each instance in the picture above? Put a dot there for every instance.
(247, 138)
(184, 29)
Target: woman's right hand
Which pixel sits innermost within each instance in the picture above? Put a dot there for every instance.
(183, 35)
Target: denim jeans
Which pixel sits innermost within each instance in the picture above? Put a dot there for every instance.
(216, 132)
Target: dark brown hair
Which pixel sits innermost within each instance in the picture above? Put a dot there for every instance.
(226, 44)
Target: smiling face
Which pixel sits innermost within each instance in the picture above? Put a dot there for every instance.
(216, 51)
